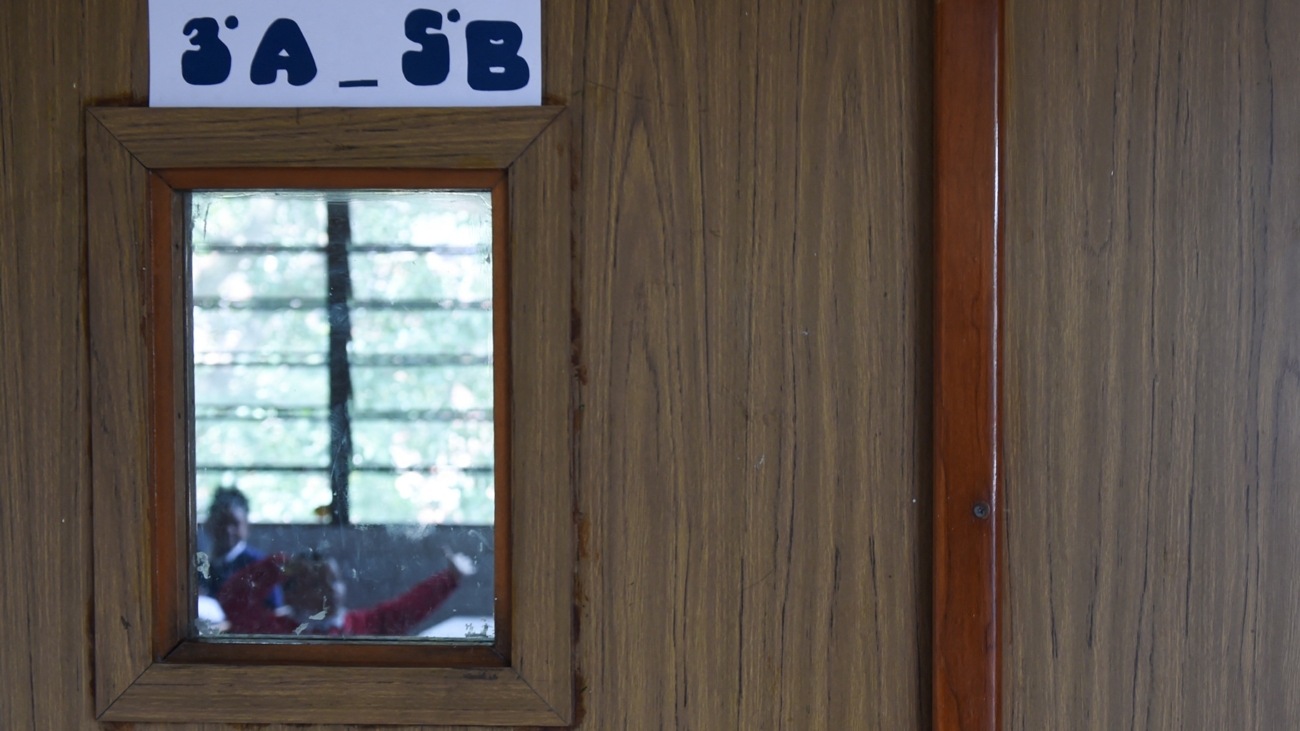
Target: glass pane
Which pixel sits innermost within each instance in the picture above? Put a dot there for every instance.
(461, 388)
(408, 331)
(343, 388)
(243, 436)
(235, 277)
(425, 443)
(443, 496)
(240, 334)
(463, 276)
(424, 218)
(273, 497)
(280, 387)
(252, 219)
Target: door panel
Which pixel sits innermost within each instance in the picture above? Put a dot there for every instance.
(754, 348)
(44, 424)
(1151, 352)
(751, 356)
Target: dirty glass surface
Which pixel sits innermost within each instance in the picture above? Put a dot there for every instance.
(343, 413)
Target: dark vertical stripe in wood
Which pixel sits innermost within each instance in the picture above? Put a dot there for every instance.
(966, 511)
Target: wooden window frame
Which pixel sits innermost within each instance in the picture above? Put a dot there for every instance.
(145, 668)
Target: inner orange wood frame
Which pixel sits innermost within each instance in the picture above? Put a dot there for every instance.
(172, 419)
(968, 61)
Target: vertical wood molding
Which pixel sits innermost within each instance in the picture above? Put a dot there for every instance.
(540, 419)
(966, 506)
(119, 441)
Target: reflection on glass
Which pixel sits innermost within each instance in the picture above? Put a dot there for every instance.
(343, 413)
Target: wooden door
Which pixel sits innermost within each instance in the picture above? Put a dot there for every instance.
(750, 345)
(1151, 365)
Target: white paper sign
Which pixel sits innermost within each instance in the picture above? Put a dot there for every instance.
(345, 53)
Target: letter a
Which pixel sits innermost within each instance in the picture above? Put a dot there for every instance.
(283, 47)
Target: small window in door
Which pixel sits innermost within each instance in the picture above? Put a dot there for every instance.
(345, 413)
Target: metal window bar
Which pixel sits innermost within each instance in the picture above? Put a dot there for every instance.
(338, 292)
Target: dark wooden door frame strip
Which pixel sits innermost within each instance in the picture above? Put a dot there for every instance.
(968, 60)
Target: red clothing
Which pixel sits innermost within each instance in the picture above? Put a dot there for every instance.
(244, 600)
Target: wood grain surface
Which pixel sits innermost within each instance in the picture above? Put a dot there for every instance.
(749, 555)
(118, 269)
(166, 692)
(753, 353)
(430, 138)
(1153, 365)
(330, 178)
(750, 346)
(171, 417)
(543, 550)
(968, 36)
(44, 379)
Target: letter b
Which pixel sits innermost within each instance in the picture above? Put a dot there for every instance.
(494, 60)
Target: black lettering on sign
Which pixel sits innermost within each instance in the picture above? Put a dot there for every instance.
(283, 47)
(209, 62)
(494, 61)
(431, 64)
